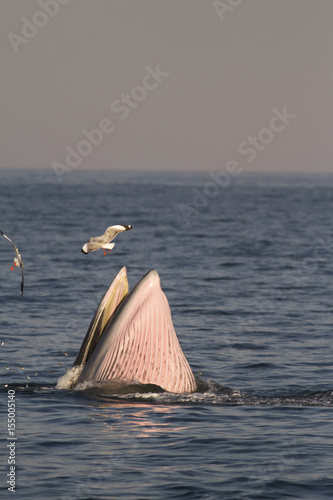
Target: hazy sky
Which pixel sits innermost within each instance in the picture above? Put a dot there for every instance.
(171, 84)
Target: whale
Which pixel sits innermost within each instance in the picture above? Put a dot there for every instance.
(132, 340)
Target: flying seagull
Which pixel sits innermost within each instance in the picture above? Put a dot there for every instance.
(17, 260)
(104, 240)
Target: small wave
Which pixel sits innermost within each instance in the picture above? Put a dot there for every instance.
(209, 392)
(229, 398)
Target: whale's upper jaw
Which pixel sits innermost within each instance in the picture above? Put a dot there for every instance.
(139, 342)
(116, 292)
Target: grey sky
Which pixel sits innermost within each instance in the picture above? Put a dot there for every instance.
(226, 74)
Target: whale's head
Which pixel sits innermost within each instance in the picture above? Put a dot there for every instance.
(132, 339)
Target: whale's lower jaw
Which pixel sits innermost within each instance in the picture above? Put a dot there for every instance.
(139, 343)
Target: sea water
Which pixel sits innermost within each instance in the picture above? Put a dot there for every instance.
(247, 270)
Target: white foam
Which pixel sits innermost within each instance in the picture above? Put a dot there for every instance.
(69, 378)
(87, 384)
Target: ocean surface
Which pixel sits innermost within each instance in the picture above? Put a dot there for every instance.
(247, 269)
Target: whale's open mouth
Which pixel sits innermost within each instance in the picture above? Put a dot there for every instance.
(132, 339)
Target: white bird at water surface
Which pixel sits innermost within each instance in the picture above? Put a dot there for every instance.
(104, 240)
(17, 260)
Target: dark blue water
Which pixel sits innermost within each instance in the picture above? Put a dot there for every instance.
(248, 275)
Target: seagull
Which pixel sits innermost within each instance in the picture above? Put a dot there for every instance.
(104, 240)
(17, 260)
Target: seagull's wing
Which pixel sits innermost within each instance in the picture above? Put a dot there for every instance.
(20, 263)
(98, 239)
(112, 231)
(22, 281)
(14, 246)
(91, 246)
